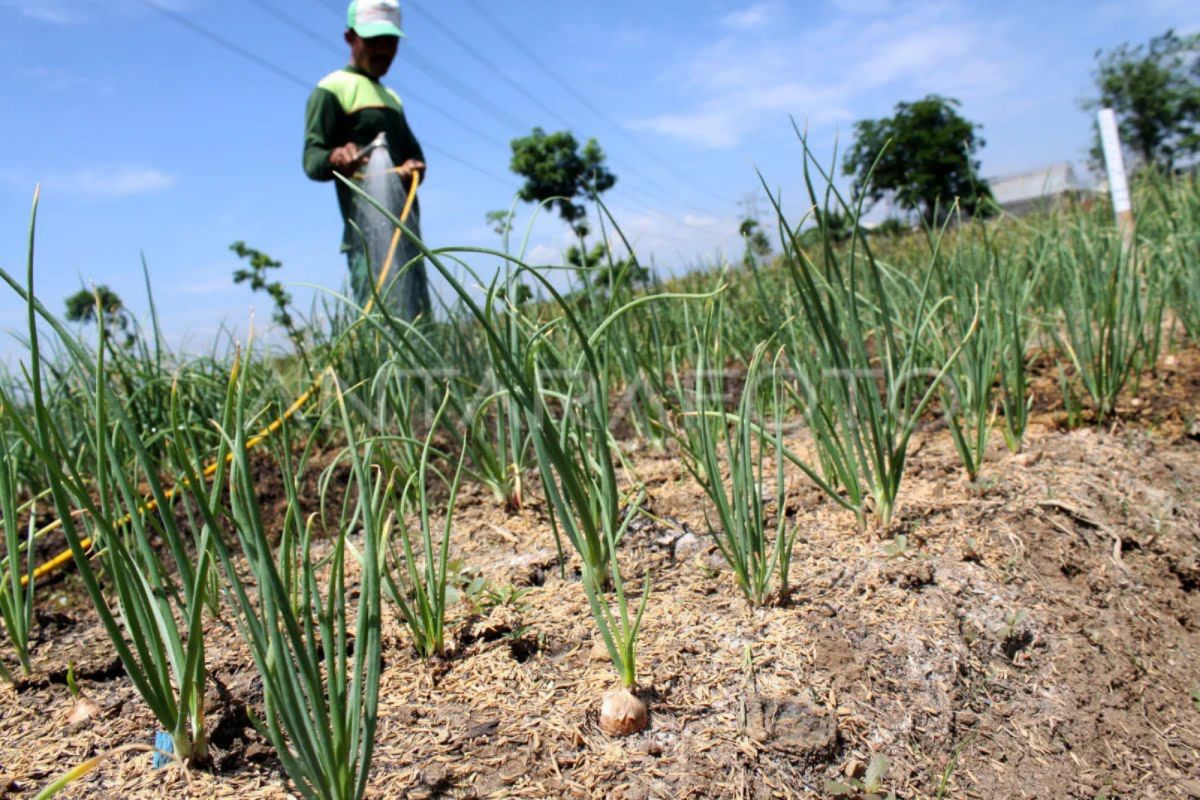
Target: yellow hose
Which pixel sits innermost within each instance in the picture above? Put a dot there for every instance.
(59, 561)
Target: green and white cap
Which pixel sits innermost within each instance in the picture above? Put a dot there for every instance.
(370, 18)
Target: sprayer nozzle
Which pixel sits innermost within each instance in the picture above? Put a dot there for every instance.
(378, 141)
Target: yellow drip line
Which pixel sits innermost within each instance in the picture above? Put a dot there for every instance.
(60, 560)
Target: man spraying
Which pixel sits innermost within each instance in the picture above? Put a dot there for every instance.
(355, 126)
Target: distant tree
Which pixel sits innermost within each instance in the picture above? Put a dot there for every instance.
(758, 246)
(928, 159)
(608, 270)
(556, 169)
(836, 226)
(1155, 91)
(891, 228)
(627, 271)
(83, 305)
(259, 279)
(586, 259)
(522, 291)
(500, 222)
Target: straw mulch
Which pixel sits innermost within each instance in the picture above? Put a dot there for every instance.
(1036, 636)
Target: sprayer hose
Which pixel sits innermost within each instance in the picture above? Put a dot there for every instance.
(63, 558)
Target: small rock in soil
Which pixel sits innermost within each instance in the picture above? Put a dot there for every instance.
(1188, 572)
(1028, 459)
(966, 719)
(257, 753)
(913, 576)
(687, 546)
(802, 731)
(434, 777)
(530, 569)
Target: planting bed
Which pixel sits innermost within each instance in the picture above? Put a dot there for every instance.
(1033, 636)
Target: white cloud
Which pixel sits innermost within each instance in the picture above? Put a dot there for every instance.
(660, 238)
(743, 87)
(108, 182)
(76, 12)
(863, 8)
(754, 16)
(55, 12)
(715, 129)
(657, 237)
(544, 254)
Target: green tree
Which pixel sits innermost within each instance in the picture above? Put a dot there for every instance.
(557, 170)
(608, 270)
(1155, 91)
(926, 159)
(82, 307)
(758, 246)
(259, 280)
(500, 222)
(838, 227)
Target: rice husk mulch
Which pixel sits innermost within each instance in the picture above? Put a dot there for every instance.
(1035, 635)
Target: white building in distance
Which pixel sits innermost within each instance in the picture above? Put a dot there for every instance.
(1037, 190)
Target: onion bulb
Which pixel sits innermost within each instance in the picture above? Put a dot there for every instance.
(622, 713)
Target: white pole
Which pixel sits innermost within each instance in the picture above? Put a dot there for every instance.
(1118, 185)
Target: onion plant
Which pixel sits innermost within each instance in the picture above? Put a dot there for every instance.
(622, 712)
(968, 279)
(16, 582)
(1103, 306)
(569, 428)
(420, 591)
(157, 629)
(425, 361)
(1178, 204)
(1011, 298)
(320, 662)
(860, 368)
(619, 631)
(753, 455)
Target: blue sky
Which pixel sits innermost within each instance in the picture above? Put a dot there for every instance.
(148, 137)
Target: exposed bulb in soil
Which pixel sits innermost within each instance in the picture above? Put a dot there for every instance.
(622, 713)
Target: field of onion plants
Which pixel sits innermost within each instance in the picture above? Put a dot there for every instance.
(625, 539)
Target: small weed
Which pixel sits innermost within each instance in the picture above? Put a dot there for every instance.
(869, 788)
(1071, 401)
(464, 583)
(1013, 621)
(72, 686)
(898, 547)
(505, 596)
(1196, 699)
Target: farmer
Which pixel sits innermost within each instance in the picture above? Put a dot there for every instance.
(346, 114)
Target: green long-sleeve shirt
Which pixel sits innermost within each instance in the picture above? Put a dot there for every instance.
(350, 106)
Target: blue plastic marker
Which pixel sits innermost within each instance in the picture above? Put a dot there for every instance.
(164, 748)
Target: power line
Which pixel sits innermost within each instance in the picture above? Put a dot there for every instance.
(466, 47)
(665, 194)
(583, 100)
(426, 67)
(324, 42)
(434, 72)
(291, 77)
